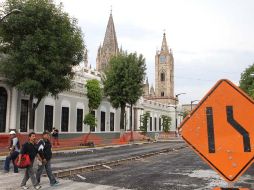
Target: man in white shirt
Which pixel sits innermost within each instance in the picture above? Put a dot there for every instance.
(14, 149)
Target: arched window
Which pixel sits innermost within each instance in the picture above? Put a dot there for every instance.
(162, 93)
(3, 108)
(162, 76)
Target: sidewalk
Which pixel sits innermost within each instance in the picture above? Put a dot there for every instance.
(66, 150)
(11, 181)
(171, 139)
(75, 149)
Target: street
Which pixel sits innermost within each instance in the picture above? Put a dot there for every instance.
(178, 170)
(94, 156)
(174, 170)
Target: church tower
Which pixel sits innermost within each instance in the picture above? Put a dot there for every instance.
(164, 74)
(109, 47)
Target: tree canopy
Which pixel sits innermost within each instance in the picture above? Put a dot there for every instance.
(166, 123)
(123, 82)
(40, 45)
(247, 81)
(144, 119)
(94, 95)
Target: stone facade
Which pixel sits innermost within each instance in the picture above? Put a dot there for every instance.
(63, 112)
(109, 47)
(164, 76)
(146, 88)
(189, 107)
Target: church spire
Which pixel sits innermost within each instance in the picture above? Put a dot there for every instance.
(109, 47)
(110, 40)
(164, 74)
(164, 45)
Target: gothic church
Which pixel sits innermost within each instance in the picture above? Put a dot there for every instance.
(164, 66)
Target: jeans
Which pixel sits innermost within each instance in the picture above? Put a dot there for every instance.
(48, 169)
(29, 174)
(8, 160)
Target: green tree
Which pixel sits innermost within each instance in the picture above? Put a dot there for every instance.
(166, 123)
(90, 120)
(247, 81)
(123, 82)
(186, 113)
(144, 120)
(41, 44)
(94, 95)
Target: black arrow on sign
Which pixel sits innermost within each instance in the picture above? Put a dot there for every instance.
(239, 128)
(232, 122)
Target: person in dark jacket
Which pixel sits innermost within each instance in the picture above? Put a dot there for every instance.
(14, 152)
(55, 134)
(30, 149)
(44, 150)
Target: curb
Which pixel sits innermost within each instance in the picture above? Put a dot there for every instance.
(89, 149)
(80, 149)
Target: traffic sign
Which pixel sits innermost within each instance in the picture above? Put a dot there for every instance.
(221, 130)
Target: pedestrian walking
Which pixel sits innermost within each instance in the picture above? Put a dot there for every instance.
(14, 149)
(55, 134)
(30, 149)
(45, 153)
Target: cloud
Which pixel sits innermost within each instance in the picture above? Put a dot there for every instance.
(210, 39)
(195, 74)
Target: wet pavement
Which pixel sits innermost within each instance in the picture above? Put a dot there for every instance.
(178, 170)
(94, 156)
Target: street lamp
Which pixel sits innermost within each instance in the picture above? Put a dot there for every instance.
(176, 98)
(192, 101)
(9, 13)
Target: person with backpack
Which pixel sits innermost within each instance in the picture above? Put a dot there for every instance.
(45, 152)
(14, 149)
(29, 148)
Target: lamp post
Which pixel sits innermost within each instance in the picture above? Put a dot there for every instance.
(192, 101)
(9, 13)
(176, 98)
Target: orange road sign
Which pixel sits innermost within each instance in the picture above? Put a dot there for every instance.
(221, 130)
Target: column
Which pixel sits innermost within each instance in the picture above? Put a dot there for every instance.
(13, 112)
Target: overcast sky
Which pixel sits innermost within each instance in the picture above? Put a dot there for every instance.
(210, 39)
